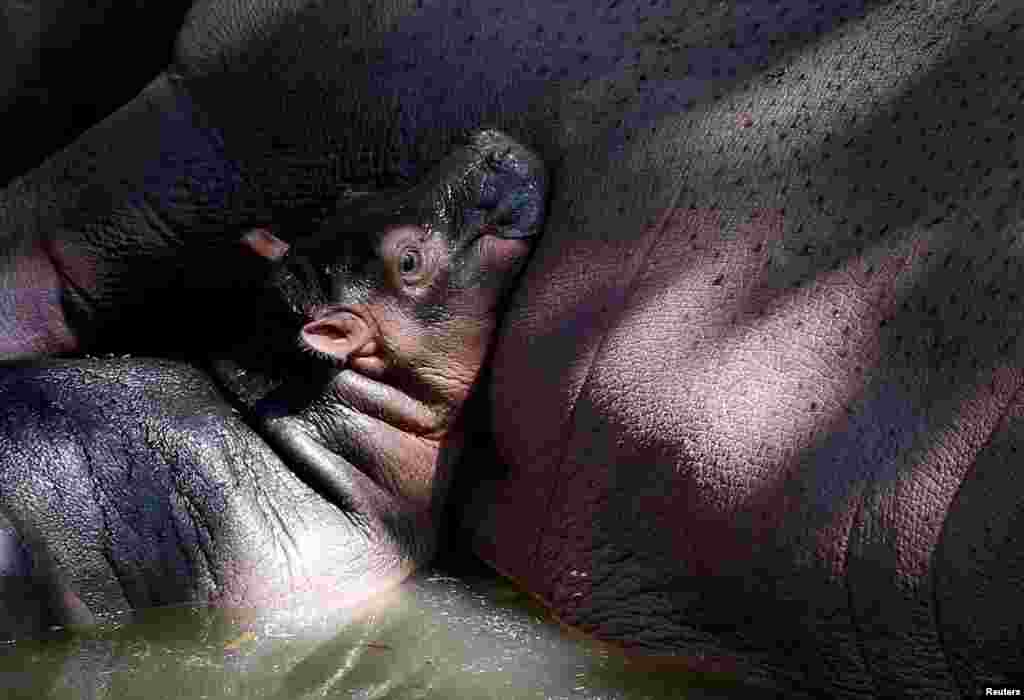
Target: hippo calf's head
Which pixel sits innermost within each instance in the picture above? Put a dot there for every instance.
(405, 287)
(392, 305)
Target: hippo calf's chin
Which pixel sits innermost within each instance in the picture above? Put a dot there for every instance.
(321, 476)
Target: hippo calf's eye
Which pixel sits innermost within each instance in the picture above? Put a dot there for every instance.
(410, 262)
(414, 266)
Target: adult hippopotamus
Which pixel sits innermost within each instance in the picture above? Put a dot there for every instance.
(137, 482)
(758, 395)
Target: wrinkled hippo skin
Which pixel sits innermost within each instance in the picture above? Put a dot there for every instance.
(757, 398)
(316, 474)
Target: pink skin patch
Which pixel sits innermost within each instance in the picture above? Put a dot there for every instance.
(30, 305)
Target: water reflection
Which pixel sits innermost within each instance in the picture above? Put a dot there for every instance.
(438, 636)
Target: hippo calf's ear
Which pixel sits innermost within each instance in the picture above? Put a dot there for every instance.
(265, 244)
(340, 335)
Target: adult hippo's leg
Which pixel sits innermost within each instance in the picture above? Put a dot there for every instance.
(142, 487)
(134, 483)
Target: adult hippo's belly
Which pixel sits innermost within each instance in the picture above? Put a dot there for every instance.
(761, 386)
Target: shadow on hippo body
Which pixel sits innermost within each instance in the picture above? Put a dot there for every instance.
(351, 369)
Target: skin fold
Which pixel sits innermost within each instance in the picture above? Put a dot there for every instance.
(759, 385)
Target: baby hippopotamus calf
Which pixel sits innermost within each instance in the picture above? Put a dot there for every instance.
(392, 306)
(134, 482)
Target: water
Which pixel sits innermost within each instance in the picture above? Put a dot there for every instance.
(471, 636)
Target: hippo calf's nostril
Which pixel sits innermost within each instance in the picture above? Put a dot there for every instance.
(490, 195)
(519, 213)
(512, 192)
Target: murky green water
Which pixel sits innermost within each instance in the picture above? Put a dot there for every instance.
(439, 636)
